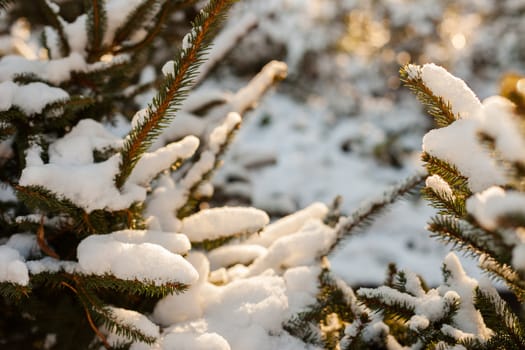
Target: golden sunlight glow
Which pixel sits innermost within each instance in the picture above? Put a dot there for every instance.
(106, 58)
(520, 86)
(458, 41)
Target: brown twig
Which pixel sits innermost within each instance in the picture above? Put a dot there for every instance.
(42, 243)
(95, 329)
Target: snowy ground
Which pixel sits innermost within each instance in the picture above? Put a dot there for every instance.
(310, 165)
(349, 130)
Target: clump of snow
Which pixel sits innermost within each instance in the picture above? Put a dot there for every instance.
(56, 71)
(488, 206)
(12, 266)
(219, 135)
(440, 187)
(168, 68)
(132, 319)
(476, 164)
(77, 146)
(289, 224)
(467, 318)
(313, 237)
(128, 257)
(229, 255)
(12, 94)
(255, 307)
(194, 341)
(93, 188)
(215, 223)
(462, 99)
(152, 163)
(518, 257)
(500, 122)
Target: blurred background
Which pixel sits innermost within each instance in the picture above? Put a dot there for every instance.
(342, 124)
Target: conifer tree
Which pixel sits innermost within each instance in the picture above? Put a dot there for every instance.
(106, 238)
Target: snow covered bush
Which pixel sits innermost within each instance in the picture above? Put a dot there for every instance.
(107, 238)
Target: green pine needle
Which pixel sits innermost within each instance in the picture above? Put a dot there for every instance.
(96, 27)
(510, 333)
(174, 89)
(436, 106)
(364, 216)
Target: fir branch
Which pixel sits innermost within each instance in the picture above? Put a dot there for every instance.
(5, 4)
(445, 206)
(510, 333)
(96, 27)
(505, 273)
(376, 299)
(45, 200)
(105, 316)
(334, 298)
(153, 32)
(13, 292)
(193, 199)
(134, 287)
(137, 19)
(174, 89)
(56, 22)
(334, 212)
(364, 216)
(436, 106)
(448, 172)
(470, 239)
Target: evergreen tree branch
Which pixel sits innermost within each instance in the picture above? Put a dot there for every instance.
(446, 206)
(86, 307)
(56, 22)
(467, 238)
(174, 89)
(193, 199)
(365, 215)
(448, 172)
(153, 32)
(136, 20)
(96, 27)
(505, 273)
(436, 106)
(497, 316)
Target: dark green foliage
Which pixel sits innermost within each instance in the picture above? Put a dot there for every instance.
(96, 27)
(509, 331)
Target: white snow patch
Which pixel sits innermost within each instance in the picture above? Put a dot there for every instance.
(215, 223)
(119, 255)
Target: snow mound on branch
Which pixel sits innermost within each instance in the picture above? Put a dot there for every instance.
(244, 314)
(134, 258)
(131, 319)
(223, 222)
(12, 266)
(453, 90)
(12, 94)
